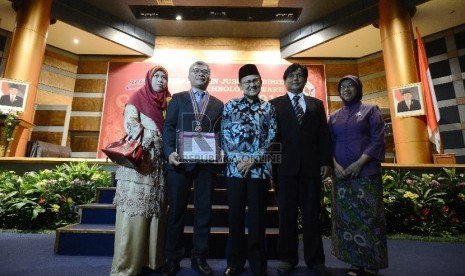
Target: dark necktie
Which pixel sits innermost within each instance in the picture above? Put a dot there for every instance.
(299, 111)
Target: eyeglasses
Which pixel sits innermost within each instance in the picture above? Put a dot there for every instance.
(250, 82)
(198, 71)
(349, 85)
(295, 75)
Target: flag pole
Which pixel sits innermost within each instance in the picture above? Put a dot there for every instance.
(431, 106)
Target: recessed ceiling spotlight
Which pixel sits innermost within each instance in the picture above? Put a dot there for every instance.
(76, 41)
(178, 17)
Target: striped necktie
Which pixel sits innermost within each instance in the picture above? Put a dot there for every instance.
(199, 98)
(299, 111)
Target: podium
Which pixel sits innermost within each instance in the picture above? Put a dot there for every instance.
(444, 158)
(10, 143)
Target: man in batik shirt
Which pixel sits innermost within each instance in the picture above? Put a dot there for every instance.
(248, 129)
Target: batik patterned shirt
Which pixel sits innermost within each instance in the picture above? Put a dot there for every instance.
(248, 129)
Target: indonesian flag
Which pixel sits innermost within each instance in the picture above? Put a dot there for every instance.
(432, 111)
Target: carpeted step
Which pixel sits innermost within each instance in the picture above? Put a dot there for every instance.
(220, 197)
(98, 240)
(220, 213)
(105, 194)
(94, 235)
(97, 213)
(85, 239)
(218, 242)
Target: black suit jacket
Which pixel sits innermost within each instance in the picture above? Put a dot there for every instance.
(5, 100)
(180, 117)
(402, 106)
(304, 148)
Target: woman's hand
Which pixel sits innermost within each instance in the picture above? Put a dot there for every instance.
(353, 170)
(339, 171)
(157, 141)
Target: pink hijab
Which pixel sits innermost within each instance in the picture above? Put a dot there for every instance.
(149, 102)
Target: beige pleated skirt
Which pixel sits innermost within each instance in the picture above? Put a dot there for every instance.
(139, 242)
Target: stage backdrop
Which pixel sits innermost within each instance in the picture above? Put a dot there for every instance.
(125, 78)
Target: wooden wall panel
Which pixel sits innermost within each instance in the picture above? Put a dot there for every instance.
(56, 80)
(54, 95)
(332, 89)
(80, 123)
(90, 85)
(59, 60)
(460, 100)
(333, 106)
(84, 143)
(381, 102)
(93, 67)
(49, 98)
(88, 104)
(49, 137)
(49, 118)
(209, 43)
(338, 70)
(374, 85)
(371, 65)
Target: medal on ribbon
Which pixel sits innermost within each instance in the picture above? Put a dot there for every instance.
(199, 114)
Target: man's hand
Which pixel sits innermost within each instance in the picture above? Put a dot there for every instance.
(174, 159)
(244, 166)
(325, 171)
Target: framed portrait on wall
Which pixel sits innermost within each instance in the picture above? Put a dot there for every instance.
(408, 100)
(13, 94)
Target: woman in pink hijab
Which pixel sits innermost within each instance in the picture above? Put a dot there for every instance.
(140, 193)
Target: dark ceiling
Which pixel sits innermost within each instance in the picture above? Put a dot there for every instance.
(327, 19)
(312, 10)
(120, 21)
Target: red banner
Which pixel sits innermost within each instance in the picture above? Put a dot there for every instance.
(125, 78)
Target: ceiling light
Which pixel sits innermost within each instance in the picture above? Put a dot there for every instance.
(189, 13)
(76, 41)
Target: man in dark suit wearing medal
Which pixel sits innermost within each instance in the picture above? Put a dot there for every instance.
(306, 157)
(192, 111)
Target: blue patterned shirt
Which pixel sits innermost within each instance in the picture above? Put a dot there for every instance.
(248, 129)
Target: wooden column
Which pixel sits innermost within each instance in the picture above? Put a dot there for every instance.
(25, 58)
(411, 142)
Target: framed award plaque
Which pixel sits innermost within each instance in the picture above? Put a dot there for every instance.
(199, 147)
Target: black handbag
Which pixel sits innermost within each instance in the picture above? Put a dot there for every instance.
(125, 152)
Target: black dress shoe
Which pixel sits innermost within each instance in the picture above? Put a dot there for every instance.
(233, 271)
(170, 268)
(321, 270)
(201, 267)
(285, 268)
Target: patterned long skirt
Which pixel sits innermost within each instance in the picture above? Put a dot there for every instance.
(359, 226)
